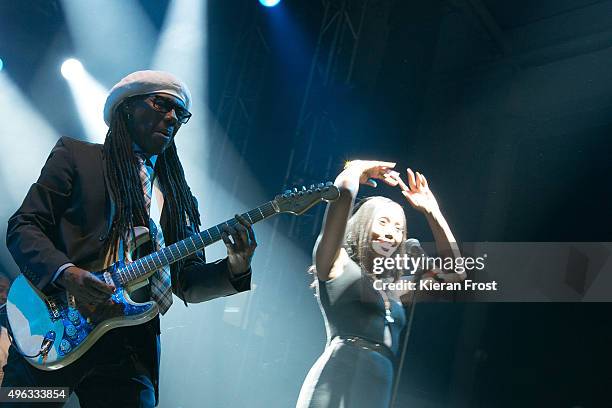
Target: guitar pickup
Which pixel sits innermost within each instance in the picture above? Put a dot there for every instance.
(53, 309)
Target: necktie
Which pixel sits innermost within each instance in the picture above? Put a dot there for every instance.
(161, 283)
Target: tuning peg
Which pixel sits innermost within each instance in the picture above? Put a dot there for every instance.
(320, 185)
(312, 187)
(329, 183)
(303, 188)
(287, 192)
(295, 190)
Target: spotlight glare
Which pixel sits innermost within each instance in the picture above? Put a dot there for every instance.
(269, 3)
(71, 68)
(1, 64)
(89, 96)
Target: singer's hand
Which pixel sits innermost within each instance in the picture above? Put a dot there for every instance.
(368, 171)
(449, 277)
(417, 192)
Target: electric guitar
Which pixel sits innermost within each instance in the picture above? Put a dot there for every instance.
(53, 331)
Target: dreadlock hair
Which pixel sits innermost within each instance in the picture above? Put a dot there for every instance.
(122, 169)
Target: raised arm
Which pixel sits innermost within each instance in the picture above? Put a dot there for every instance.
(330, 240)
(421, 198)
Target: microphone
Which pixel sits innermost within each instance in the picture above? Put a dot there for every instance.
(415, 251)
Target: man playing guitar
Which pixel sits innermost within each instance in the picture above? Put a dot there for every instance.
(80, 215)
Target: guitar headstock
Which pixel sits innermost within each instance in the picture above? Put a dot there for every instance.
(298, 201)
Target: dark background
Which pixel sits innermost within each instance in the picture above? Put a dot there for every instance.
(504, 105)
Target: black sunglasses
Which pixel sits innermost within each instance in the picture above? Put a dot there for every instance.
(164, 105)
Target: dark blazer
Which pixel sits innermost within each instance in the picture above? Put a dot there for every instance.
(66, 217)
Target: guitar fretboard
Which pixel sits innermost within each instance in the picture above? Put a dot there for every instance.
(188, 246)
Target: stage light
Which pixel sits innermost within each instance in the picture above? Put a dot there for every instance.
(269, 3)
(224, 184)
(122, 41)
(27, 138)
(1, 64)
(187, 19)
(89, 96)
(35, 140)
(72, 68)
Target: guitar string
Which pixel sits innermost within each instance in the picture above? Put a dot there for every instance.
(142, 266)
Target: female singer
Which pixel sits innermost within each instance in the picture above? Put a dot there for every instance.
(364, 324)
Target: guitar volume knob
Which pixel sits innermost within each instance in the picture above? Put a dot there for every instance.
(74, 317)
(65, 346)
(70, 330)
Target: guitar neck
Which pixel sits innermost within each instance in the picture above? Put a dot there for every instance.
(188, 246)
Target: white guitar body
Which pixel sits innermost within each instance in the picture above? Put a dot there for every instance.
(51, 329)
